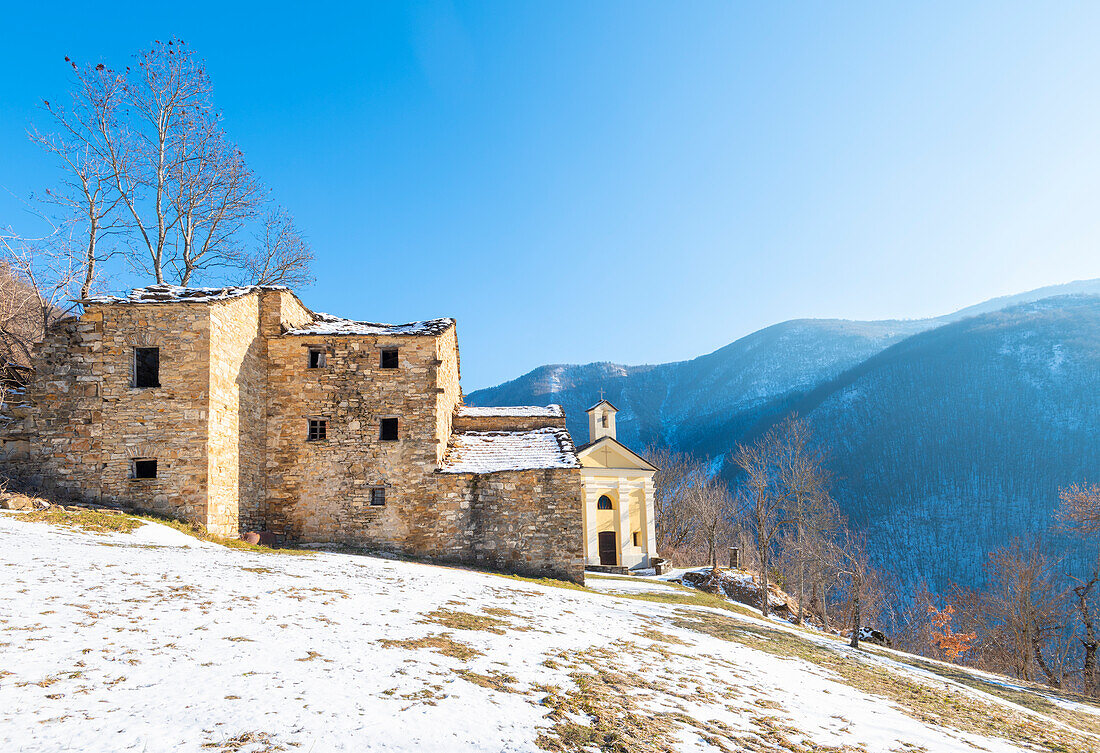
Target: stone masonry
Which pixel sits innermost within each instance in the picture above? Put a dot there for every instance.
(245, 375)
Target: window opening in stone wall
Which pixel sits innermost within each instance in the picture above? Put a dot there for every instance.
(378, 496)
(637, 538)
(604, 503)
(146, 367)
(142, 468)
(318, 430)
(389, 358)
(388, 431)
(316, 358)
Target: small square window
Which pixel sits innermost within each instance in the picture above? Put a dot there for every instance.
(389, 358)
(146, 367)
(143, 468)
(318, 430)
(378, 496)
(388, 430)
(316, 358)
(637, 538)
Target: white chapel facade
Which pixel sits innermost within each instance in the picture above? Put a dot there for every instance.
(618, 497)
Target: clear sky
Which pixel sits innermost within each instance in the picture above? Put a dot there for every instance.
(631, 181)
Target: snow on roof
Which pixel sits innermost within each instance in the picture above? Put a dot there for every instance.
(495, 451)
(327, 324)
(178, 294)
(511, 411)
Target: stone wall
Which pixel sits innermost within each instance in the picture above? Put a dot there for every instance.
(526, 522)
(320, 491)
(237, 447)
(506, 423)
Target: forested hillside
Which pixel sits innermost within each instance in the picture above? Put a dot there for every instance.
(956, 440)
(946, 436)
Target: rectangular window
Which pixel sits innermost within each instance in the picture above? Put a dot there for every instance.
(378, 496)
(637, 538)
(389, 430)
(603, 420)
(146, 367)
(316, 358)
(389, 358)
(143, 468)
(318, 430)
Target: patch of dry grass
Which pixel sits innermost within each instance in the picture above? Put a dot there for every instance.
(493, 680)
(449, 618)
(442, 644)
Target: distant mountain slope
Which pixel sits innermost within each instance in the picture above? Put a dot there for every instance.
(947, 435)
(956, 440)
(669, 402)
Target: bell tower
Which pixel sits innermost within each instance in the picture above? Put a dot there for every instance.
(601, 420)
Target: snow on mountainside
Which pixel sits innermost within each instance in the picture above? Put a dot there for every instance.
(152, 641)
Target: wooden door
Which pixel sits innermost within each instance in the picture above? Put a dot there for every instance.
(609, 548)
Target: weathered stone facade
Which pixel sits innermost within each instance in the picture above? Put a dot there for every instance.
(229, 428)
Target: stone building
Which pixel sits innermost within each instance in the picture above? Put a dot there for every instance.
(240, 409)
(618, 498)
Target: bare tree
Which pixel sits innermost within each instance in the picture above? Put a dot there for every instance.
(38, 282)
(1079, 514)
(283, 257)
(854, 566)
(810, 510)
(762, 498)
(215, 195)
(1021, 619)
(678, 473)
(86, 191)
(1080, 508)
(712, 509)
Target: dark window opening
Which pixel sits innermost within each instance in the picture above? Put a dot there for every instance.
(378, 496)
(145, 468)
(604, 503)
(637, 538)
(389, 358)
(316, 358)
(389, 430)
(146, 367)
(603, 420)
(318, 430)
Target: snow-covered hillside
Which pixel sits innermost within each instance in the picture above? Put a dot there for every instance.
(154, 641)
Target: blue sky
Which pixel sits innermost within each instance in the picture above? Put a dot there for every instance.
(636, 181)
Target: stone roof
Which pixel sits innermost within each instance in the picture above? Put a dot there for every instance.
(327, 324)
(510, 411)
(496, 451)
(177, 294)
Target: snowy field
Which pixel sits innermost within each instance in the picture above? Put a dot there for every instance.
(154, 641)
